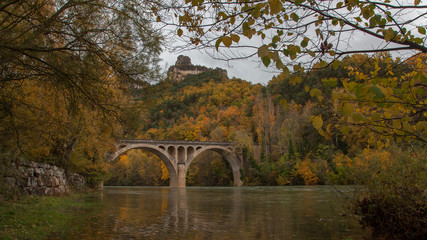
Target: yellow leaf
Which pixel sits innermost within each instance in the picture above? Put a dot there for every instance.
(347, 109)
(317, 122)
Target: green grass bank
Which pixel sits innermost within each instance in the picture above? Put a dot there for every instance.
(34, 217)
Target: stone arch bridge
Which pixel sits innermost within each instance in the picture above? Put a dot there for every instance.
(178, 155)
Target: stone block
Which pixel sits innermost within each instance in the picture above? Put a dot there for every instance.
(40, 182)
(55, 181)
(49, 182)
(10, 182)
(23, 170)
(47, 191)
(25, 163)
(28, 180)
(30, 172)
(34, 182)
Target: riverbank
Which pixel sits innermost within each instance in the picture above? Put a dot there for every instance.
(35, 217)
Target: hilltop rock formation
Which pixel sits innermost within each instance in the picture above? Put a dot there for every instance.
(184, 67)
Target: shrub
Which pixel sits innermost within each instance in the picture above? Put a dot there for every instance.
(391, 198)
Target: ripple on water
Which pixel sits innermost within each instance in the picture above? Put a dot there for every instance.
(218, 213)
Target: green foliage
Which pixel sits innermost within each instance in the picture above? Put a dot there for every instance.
(198, 79)
(41, 217)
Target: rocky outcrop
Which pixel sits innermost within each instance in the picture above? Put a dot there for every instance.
(184, 67)
(43, 179)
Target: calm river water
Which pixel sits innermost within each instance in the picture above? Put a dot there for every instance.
(219, 213)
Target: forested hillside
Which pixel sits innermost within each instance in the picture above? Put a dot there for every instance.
(274, 124)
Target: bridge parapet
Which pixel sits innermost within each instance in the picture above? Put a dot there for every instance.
(179, 142)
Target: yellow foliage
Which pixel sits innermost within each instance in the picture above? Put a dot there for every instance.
(342, 160)
(165, 172)
(369, 157)
(124, 159)
(303, 169)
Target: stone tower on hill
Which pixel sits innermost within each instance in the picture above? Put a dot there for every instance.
(184, 67)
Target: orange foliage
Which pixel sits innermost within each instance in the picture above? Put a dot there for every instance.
(303, 169)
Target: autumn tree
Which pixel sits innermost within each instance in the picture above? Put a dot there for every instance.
(66, 68)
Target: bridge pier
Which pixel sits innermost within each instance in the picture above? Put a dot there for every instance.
(182, 174)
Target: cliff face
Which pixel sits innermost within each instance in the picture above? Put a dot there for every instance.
(184, 67)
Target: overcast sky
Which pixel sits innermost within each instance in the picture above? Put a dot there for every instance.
(252, 70)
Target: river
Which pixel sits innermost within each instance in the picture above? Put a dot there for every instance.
(302, 212)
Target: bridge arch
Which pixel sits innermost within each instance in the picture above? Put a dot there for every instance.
(164, 155)
(229, 156)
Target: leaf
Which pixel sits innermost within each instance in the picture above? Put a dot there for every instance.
(389, 34)
(336, 64)
(295, 79)
(372, 22)
(227, 41)
(375, 116)
(347, 109)
(217, 43)
(334, 21)
(417, 2)
(304, 42)
(279, 64)
(223, 15)
(294, 17)
(422, 30)
(263, 51)
(275, 6)
(232, 20)
(311, 53)
(266, 60)
(345, 130)
(317, 122)
(357, 117)
(330, 82)
(235, 38)
(180, 32)
(377, 91)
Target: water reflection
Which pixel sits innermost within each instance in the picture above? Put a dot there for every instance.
(219, 213)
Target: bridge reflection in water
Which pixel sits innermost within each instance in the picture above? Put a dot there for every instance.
(219, 213)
